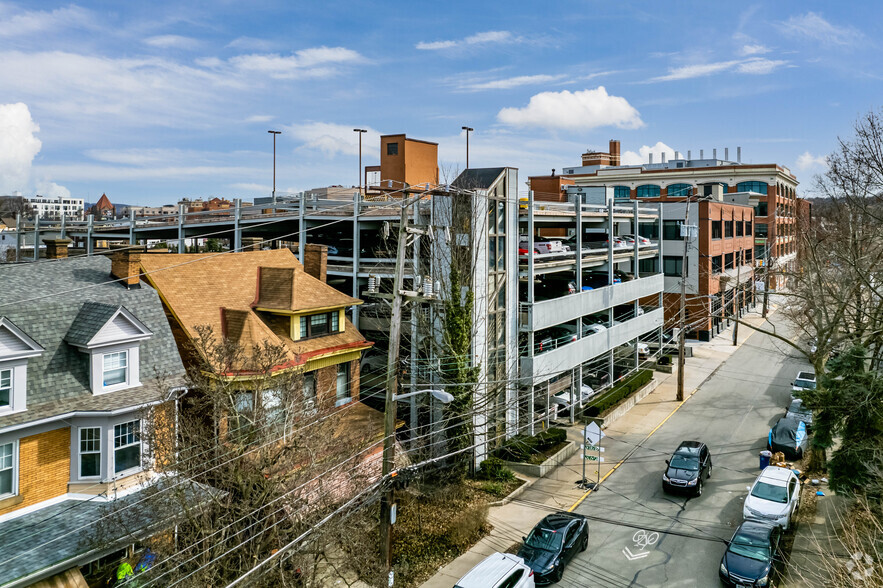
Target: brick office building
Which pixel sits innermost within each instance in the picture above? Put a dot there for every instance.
(772, 188)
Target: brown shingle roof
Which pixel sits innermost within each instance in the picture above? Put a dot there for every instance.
(221, 291)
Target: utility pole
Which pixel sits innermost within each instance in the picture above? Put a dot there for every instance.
(738, 300)
(360, 131)
(274, 133)
(766, 279)
(389, 415)
(686, 231)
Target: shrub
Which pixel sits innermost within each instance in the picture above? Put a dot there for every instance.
(519, 448)
(622, 390)
(494, 488)
(551, 438)
(494, 469)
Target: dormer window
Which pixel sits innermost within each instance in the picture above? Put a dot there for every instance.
(316, 325)
(111, 335)
(15, 350)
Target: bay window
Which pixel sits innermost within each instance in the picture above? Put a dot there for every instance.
(126, 446)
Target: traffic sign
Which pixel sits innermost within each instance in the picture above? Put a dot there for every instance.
(594, 434)
(593, 448)
(593, 458)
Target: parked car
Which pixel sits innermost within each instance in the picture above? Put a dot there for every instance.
(602, 241)
(774, 497)
(563, 398)
(686, 467)
(500, 570)
(542, 245)
(624, 312)
(803, 381)
(551, 338)
(593, 329)
(552, 543)
(796, 410)
(788, 435)
(642, 241)
(752, 557)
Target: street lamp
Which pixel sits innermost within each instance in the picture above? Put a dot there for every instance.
(360, 131)
(468, 130)
(274, 133)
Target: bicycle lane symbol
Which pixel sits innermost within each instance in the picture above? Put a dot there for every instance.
(642, 539)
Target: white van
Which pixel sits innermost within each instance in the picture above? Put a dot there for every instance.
(500, 570)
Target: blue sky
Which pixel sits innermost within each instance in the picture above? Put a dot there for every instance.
(152, 102)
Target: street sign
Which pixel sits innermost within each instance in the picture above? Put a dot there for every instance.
(593, 448)
(594, 458)
(594, 434)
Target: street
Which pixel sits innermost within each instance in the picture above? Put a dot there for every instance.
(640, 536)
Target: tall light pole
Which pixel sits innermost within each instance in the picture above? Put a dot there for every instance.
(360, 131)
(468, 130)
(274, 133)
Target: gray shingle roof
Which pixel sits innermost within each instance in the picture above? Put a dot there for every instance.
(45, 299)
(92, 316)
(478, 178)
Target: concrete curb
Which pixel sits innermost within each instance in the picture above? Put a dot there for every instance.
(541, 470)
(515, 493)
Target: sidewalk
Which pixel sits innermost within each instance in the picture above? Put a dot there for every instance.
(558, 490)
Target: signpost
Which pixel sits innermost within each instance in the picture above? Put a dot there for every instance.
(593, 435)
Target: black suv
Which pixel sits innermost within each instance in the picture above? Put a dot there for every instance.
(690, 462)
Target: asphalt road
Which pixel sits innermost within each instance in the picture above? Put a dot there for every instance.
(649, 538)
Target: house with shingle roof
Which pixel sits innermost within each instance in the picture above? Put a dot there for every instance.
(253, 300)
(87, 363)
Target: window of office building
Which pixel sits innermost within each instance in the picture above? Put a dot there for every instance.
(748, 232)
(739, 228)
(649, 230)
(392, 148)
(671, 230)
(760, 230)
(760, 209)
(622, 192)
(728, 229)
(647, 191)
(649, 266)
(716, 229)
(728, 260)
(716, 264)
(672, 265)
(680, 190)
(758, 187)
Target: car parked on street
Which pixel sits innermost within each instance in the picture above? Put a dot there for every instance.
(796, 410)
(803, 381)
(500, 570)
(788, 435)
(774, 497)
(752, 557)
(552, 543)
(688, 465)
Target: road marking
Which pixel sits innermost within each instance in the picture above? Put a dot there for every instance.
(633, 556)
(642, 538)
(629, 454)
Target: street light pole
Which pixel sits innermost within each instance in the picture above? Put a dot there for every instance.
(360, 131)
(468, 130)
(274, 133)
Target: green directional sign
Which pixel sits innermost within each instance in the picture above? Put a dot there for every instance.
(593, 448)
(593, 458)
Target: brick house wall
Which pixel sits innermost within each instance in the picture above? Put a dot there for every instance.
(43, 469)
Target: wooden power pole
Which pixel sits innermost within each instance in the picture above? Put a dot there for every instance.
(687, 233)
(738, 297)
(766, 279)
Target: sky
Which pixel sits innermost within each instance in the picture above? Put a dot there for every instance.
(154, 102)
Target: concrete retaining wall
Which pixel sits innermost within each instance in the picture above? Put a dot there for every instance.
(538, 471)
(628, 403)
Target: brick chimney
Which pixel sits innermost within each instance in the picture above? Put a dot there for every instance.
(251, 243)
(316, 260)
(56, 248)
(614, 152)
(125, 265)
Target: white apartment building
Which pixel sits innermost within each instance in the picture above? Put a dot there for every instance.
(49, 207)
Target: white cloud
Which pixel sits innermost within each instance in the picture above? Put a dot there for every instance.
(807, 161)
(172, 42)
(18, 148)
(508, 83)
(812, 26)
(37, 22)
(332, 139)
(312, 62)
(754, 49)
(643, 154)
(585, 109)
(476, 39)
(753, 66)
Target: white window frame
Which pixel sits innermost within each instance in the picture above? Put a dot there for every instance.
(14, 468)
(10, 388)
(97, 368)
(114, 449)
(104, 357)
(81, 453)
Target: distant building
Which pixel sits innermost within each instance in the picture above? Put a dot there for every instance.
(47, 207)
(103, 209)
(404, 162)
(142, 211)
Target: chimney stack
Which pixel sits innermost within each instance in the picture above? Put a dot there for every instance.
(662, 156)
(738, 155)
(714, 153)
(614, 152)
(650, 161)
(56, 248)
(689, 154)
(316, 260)
(251, 243)
(727, 153)
(125, 265)
(702, 154)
